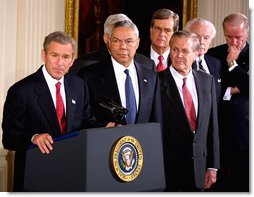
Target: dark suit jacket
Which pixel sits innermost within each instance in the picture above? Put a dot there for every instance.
(186, 154)
(214, 66)
(235, 113)
(99, 56)
(102, 83)
(29, 109)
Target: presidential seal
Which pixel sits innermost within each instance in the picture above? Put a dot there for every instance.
(127, 158)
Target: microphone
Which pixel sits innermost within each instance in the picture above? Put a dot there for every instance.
(118, 111)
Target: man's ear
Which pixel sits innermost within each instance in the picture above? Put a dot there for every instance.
(43, 54)
(105, 38)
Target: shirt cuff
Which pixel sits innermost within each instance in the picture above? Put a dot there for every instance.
(212, 169)
(232, 67)
(33, 137)
(227, 96)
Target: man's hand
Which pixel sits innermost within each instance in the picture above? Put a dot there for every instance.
(233, 54)
(44, 142)
(210, 178)
(234, 90)
(112, 124)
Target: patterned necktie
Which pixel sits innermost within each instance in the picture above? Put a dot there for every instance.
(130, 99)
(189, 106)
(201, 66)
(161, 66)
(60, 108)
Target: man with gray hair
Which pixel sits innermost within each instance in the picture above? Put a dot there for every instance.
(206, 31)
(97, 56)
(108, 78)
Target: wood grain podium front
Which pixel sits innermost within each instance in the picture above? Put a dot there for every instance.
(93, 160)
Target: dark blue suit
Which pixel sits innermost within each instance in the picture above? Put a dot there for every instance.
(29, 109)
(102, 83)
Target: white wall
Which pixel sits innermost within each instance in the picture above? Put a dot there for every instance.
(216, 10)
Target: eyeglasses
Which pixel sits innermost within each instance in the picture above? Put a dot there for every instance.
(117, 42)
(159, 29)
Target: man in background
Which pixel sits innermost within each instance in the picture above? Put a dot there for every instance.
(163, 24)
(234, 128)
(206, 31)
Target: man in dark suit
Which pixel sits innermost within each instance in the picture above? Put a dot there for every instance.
(234, 128)
(29, 115)
(101, 54)
(107, 79)
(205, 31)
(163, 24)
(191, 147)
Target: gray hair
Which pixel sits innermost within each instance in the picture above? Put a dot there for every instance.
(201, 21)
(61, 38)
(166, 14)
(128, 24)
(187, 34)
(112, 19)
(236, 19)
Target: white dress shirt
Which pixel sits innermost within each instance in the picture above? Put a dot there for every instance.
(120, 79)
(52, 86)
(190, 82)
(154, 56)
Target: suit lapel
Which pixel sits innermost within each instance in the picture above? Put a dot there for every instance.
(108, 81)
(143, 83)
(46, 103)
(169, 88)
(202, 96)
(70, 91)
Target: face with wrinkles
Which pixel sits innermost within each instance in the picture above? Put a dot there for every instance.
(182, 54)
(203, 32)
(123, 45)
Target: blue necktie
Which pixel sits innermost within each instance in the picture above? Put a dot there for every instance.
(130, 99)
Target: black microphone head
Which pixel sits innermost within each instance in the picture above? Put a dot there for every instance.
(118, 111)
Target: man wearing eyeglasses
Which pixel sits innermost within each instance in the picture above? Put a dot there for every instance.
(107, 79)
(234, 130)
(164, 23)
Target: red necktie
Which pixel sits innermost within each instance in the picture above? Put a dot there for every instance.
(161, 66)
(189, 106)
(60, 108)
